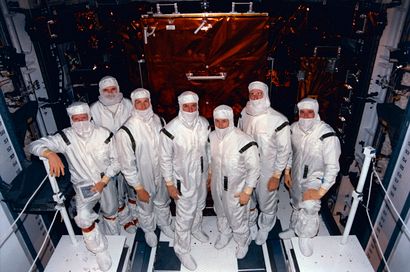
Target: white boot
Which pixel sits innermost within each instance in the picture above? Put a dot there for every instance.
(188, 261)
(95, 241)
(132, 206)
(111, 225)
(167, 230)
(124, 215)
(136, 222)
(151, 239)
(201, 236)
(125, 219)
(261, 237)
(241, 251)
(104, 260)
(254, 231)
(305, 245)
(287, 234)
(222, 241)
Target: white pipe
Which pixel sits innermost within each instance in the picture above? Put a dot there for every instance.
(369, 153)
(147, 34)
(59, 198)
(200, 27)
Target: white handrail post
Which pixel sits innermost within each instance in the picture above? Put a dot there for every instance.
(369, 153)
(59, 198)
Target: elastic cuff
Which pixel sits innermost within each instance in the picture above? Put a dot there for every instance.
(277, 174)
(248, 190)
(168, 178)
(105, 180)
(326, 186)
(322, 191)
(45, 153)
(138, 187)
(287, 171)
(169, 183)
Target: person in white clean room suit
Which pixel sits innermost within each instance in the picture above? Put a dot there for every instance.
(314, 167)
(138, 140)
(93, 162)
(270, 129)
(111, 111)
(235, 172)
(184, 166)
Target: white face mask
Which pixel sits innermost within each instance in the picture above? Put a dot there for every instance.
(189, 117)
(110, 95)
(83, 128)
(257, 107)
(109, 99)
(222, 132)
(306, 124)
(257, 103)
(145, 114)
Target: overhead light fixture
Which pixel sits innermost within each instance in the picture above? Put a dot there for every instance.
(220, 76)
